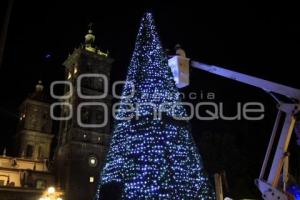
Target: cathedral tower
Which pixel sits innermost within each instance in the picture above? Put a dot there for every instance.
(34, 131)
(83, 141)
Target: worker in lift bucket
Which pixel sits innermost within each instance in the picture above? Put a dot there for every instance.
(179, 51)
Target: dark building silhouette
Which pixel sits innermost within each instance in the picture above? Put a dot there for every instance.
(81, 149)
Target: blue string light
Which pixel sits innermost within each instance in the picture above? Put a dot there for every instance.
(153, 158)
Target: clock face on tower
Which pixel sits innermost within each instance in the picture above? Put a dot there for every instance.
(93, 161)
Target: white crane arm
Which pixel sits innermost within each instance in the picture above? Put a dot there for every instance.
(268, 86)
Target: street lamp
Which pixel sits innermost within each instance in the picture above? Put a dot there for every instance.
(51, 194)
(51, 190)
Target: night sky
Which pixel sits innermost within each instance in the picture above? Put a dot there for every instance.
(253, 38)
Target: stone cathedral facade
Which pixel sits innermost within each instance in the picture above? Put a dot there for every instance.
(80, 149)
(26, 175)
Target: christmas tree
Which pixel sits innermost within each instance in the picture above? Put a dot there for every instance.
(152, 156)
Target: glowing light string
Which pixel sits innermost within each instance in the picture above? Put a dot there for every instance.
(153, 159)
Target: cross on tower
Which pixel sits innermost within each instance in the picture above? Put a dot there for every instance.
(90, 25)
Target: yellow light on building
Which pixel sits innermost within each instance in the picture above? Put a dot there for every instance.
(92, 179)
(75, 70)
(51, 190)
(69, 75)
(22, 116)
(52, 194)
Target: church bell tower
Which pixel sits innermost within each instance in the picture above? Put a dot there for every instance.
(84, 137)
(34, 135)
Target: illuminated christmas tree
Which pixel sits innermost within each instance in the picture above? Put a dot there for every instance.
(152, 156)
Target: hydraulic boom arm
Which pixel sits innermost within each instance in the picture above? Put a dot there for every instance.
(267, 183)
